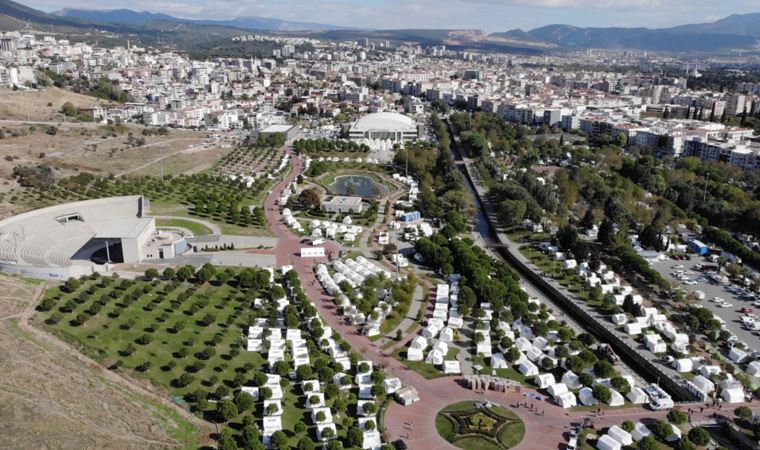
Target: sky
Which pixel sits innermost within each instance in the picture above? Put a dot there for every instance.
(487, 15)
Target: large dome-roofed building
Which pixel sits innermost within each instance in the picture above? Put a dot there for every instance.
(384, 129)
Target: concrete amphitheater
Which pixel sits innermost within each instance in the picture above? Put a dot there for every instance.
(60, 241)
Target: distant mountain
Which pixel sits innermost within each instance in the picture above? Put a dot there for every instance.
(127, 16)
(733, 32)
(738, 24)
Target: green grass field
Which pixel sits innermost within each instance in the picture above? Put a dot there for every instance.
(196, 228)
(428, 371)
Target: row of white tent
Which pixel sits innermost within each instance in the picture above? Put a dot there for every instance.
(440, 331)
(617, 438)
(291, 221)
(346, 159)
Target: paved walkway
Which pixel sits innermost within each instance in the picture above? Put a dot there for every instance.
(410, 319)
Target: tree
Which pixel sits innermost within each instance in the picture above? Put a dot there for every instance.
(662, 430)
(244, 401)
(184, 273)
(279, 440)
(512, 212)
(648, 443)
(227, 440)
(677, 416)
(151, 274)
(69, 109)
(620, 384)
(226, 410)
(743, 412)
(699, 436)
(305, 444)
(299, 428)
(184, 380)
(310, 198)
(169, 273)
(355, 437)
(628, 426)
(251, 436)
(272, 409)
(602, 393)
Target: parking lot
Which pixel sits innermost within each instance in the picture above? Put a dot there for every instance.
(729, 310)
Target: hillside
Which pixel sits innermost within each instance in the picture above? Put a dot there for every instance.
(126, 16)
(736, 32)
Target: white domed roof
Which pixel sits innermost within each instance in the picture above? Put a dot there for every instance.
(389, 121)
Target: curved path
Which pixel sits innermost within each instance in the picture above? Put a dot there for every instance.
(545, 425)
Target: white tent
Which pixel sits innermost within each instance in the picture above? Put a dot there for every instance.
(587, 397)
(616, 399)
(528, 369)
(637, 396)
(566, 400)
(683, 365)
(498, 361)
(640, 431)
(435, 357)
(732, 394)
(703, 384)
(753, 369)
(558, 389)
(607, 442)
(620, 435)
(419, 343)
(451, 367)
(544, 380)
(414, 354)
(571, 380)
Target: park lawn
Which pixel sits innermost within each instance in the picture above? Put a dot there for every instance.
(196, 228)
(444, 426)
(513, 374)
(104, 336)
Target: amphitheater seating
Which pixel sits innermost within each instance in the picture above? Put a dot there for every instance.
(7, 249)
(42, 240)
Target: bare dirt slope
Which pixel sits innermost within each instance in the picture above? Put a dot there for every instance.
(48, 399)
(33, 105)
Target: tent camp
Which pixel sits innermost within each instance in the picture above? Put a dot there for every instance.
(607, 442)
(544, 380)
(566, 400)
(637, 396)
(571, 380)
(620, 435)
(557, 389)
(616, 399)
(528, 369)
(640, 431)
(586, 396)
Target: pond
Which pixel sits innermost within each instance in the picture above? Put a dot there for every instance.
(357, 185)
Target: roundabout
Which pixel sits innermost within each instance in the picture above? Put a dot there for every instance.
(479, 425)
